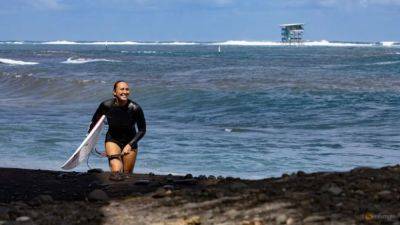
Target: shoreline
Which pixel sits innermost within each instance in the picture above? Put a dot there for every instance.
(362, 195)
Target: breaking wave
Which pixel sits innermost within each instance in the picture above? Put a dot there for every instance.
(16, 62)
(306, 43)
(72, 60)
(229, 42)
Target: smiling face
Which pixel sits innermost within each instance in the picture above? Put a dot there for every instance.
(121, 91)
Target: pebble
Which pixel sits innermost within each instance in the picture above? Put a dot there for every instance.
(194, 220)
(23, 219)
(311, 219)
(332, 188)
(98, 195)
(281, 219)
(359, 192)
(290, 221)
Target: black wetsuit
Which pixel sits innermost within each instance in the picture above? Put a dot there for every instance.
(121, 122)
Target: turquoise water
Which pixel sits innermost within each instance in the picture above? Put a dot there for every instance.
(247, 112)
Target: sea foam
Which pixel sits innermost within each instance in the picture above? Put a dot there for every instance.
(63, 42)
(305, 43)
(16, 62)
(72, 60)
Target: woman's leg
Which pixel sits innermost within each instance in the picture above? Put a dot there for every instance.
(114, 159)
(129, 161)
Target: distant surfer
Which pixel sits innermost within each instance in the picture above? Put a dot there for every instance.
(121, 143)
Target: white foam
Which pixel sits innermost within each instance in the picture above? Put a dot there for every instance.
(176, 43)
(387, 43)
(386, 63)
(12, 42)
(63, 42)
(249, 43)
(306, 43)
(72, 60)
(16, 62)
(110, 43)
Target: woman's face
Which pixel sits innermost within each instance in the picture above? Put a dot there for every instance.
(121, 92)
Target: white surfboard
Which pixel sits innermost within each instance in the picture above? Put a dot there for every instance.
(82, 152)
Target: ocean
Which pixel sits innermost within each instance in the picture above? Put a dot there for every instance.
(252, 110)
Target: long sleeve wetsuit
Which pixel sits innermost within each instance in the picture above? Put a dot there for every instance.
(121, 122)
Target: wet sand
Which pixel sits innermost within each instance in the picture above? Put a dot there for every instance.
(359, 196)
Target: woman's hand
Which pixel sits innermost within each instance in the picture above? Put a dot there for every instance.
(126, 149)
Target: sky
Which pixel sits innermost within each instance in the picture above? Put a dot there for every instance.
(197, 20)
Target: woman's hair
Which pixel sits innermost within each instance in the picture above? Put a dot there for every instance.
(116, 83)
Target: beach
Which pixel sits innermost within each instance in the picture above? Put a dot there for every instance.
(359, 196)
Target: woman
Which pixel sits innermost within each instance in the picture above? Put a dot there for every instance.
(122, 137)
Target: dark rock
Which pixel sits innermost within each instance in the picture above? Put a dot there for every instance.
(186, 181)
(95, 170)
(98, 195)
(142, 182)
(154, 184)
(168, 187)
(4, 213)
(61, 176)
(332, 188)
(360, 169)
(202, 177)
(301, 173)
(385, 195)
(285, 175)
(188, 176)
(229, 178)
(94, 185)
(237, 186)
(44, 199)
(161, 193)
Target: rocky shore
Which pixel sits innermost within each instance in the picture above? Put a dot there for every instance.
(360, 196)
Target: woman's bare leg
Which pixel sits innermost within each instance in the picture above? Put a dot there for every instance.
(115, 163)
(129, 161)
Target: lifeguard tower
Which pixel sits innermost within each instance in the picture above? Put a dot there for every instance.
(292, 33)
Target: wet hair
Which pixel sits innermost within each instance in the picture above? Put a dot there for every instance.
(117, 82)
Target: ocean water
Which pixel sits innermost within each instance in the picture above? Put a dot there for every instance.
(250, 111)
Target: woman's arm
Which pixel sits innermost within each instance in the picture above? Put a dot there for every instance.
(141, 125)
